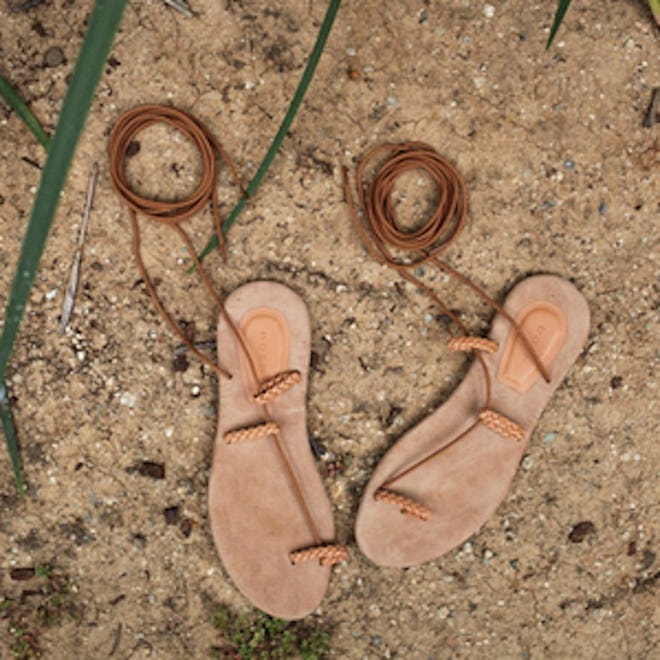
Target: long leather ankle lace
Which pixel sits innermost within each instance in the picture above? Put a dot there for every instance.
(173, 214)
(385, 240)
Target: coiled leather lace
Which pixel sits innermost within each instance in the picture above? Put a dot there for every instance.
(173, 214)
(404, 250)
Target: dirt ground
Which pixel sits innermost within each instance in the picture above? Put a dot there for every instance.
(561, 179)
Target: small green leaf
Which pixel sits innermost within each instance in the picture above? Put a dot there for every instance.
(21, 109)
(654, 6)
(562, 8)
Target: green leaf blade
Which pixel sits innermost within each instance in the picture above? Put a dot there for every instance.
(10, 436)
(305, 80)
(21, 109)
(87, 71)
(562, 8)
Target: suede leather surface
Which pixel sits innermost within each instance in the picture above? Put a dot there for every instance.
(463, 485)
(255, 516)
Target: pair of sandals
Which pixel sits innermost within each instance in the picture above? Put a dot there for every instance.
(270, 517)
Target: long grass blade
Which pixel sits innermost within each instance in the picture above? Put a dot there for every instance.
(21, 109)
(10, 436)
(297, 99)
(562, 8)
(654, 6)
(103, 24)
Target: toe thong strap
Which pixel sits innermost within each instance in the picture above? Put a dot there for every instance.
(502, 425)
(468, 343)
(407, 505)
(326, 554)
(251, 432)
(272, 388)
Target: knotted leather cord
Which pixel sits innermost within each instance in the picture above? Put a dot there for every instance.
(172, 214)
(383, 236)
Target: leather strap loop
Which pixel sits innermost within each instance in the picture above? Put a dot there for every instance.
(251, 433)
(327, 555)
(469, 343)
(277, 385)
(407, 505)
(506, 427)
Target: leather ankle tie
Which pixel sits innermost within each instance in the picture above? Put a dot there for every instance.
(389, 243)
(173, 214)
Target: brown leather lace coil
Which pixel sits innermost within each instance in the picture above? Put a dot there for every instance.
(438, 232)
(173, 214)
(385, 239)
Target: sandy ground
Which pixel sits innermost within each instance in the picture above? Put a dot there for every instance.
(560, 176)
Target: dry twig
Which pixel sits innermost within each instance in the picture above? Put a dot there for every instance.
(72, 286)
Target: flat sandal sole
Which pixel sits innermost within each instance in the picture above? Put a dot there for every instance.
(463, 485)
(255, 515)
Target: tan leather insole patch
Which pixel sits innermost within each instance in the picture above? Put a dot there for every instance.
(545, 327)
(266, 333)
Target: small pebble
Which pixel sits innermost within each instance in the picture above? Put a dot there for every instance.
(602, 208)
(581, 530)
(195, 390)
(54, 56)
(550, 437)
(489, 11)
(569, 164)
(392, 101)
(132, 149)
(186, 527)
(616, 382)
(171, 515)
(209, 410)
(151, 469)
(180, 363)
(127, 399)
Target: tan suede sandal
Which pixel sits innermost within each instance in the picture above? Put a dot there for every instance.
(444, 478)
(270, 516)
(439, 484)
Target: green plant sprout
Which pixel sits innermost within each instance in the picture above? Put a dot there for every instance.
(562, 8)
(262, 636)
(21, 109)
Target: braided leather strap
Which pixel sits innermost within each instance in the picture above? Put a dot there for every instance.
(326, 554)
(502, 425)
(278, 384)
(251, 432)
(407, 506)
(467, 343)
